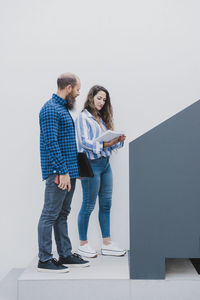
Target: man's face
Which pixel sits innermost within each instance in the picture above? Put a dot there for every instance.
(76, 89)
(71, 97)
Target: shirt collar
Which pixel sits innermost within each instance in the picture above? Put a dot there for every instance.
(91, 116)
(59, 99)
(88, 114)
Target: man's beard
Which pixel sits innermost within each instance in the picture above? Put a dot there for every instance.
(70, 102)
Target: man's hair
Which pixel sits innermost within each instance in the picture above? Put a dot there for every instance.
(66, 79)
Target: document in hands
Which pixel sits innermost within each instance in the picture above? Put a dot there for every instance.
(108, 136)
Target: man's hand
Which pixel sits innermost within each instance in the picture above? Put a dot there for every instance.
(65, 183)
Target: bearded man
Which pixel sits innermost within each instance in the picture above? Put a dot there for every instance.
(58, 153)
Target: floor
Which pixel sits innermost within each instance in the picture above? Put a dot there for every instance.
(182, 281)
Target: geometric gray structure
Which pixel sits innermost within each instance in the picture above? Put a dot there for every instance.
(165, 194)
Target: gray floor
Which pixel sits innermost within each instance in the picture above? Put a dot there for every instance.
(8, 285)
(182, 281)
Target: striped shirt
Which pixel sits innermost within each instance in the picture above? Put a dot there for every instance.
(87, 131)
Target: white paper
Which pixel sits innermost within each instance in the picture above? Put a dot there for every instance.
(108, 136)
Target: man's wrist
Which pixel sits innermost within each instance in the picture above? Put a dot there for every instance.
(64, 174)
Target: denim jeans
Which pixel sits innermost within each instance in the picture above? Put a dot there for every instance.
(57, 206)
(100, 185)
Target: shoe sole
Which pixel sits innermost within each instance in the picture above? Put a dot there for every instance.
(86, 254)
(77, 265)
(53, 271)
(111, 253)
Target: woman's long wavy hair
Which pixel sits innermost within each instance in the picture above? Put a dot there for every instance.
(106, 113)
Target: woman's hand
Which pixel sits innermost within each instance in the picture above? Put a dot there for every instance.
(122, 138)
(114, 141)
(111, 143)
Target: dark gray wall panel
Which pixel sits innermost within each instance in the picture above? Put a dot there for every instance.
(165, 194)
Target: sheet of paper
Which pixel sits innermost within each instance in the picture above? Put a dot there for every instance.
(108, 136)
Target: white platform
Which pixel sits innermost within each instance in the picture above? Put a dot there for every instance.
(108, 278)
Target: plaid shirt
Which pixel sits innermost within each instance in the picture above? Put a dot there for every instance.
(58, 151)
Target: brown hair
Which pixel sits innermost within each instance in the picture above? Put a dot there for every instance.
(106, 113)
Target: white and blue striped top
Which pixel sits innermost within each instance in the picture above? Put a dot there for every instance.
(87, 131)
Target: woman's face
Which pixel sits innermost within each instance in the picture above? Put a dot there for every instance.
(99, 100)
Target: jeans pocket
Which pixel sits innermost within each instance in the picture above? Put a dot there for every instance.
(50, 179)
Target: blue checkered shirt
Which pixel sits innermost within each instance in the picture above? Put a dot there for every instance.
(58, 150)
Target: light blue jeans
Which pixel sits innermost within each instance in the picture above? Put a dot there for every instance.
(100, 185)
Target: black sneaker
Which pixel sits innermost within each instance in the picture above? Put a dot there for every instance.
(52, 265)
(74, 260)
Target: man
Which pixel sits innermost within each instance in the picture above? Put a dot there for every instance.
(58, 157)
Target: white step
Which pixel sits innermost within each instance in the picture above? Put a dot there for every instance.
(108, 278)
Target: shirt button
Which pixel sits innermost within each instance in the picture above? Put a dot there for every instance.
(54, 171)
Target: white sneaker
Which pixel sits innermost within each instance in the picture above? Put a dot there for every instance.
(87, 251)
(112, 249)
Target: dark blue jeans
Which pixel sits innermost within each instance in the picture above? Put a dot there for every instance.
(57, 206)
(100, 185)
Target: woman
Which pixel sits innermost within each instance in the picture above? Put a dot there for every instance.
(95, 118)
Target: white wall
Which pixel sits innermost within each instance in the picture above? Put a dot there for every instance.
(145, 52)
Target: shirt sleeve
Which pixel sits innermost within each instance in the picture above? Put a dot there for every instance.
(49, 121)
(117, 146)
(84, 136)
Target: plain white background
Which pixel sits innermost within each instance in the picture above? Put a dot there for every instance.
(146, 53)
